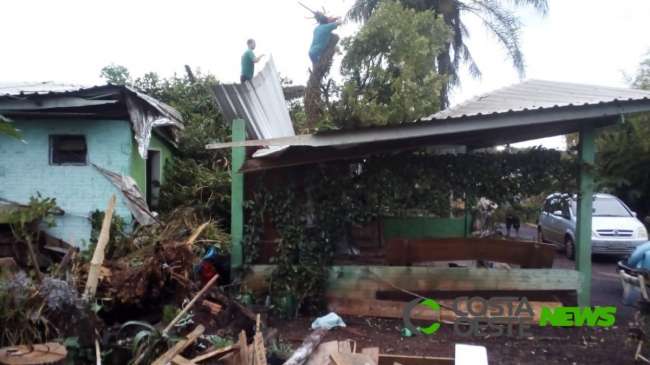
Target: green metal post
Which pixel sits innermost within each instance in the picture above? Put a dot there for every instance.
(585, 205)
(237, 195)
(469, 232)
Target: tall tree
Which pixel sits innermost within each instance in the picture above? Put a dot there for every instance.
(497, 18)
(389, 66)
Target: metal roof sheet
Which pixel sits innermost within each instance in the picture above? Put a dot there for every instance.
(260, 103)
(538, 94)
(17, 88)
(531, 106)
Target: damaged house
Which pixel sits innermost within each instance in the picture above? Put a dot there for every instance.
(81, 144)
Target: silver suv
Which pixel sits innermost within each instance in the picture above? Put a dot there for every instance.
(615, 228)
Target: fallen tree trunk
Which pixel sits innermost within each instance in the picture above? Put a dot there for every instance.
(308, 346)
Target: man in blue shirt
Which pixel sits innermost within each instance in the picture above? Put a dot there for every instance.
(322, 35)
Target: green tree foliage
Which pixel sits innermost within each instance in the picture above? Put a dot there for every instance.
(495, 15)
(197, 178)
(623, 153)
(389, 66)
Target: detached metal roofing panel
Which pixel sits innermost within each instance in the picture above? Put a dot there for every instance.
(538, 94)
(260, 103)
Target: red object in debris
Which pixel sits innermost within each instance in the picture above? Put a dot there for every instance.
(206, 272)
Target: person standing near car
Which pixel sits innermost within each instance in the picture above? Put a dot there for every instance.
(512, 217)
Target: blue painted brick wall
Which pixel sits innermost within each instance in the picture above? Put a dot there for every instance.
(78, 189)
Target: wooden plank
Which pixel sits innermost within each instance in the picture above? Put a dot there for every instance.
(400, 251)
(372, 353)
(351, 359)
(378, 308)
(344, 347)
(392, 309)
(322, 353)
(243, 348)
(260, 351)
(179, 346)
(389, 359)
(364, 281)
(215, 353)
(180, 360)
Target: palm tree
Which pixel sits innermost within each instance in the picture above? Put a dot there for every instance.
(499, 21)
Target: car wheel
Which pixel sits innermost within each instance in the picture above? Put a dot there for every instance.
(540, 236)
(569, 248)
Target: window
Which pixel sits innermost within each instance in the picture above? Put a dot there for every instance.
(606, 207)
(68, 150)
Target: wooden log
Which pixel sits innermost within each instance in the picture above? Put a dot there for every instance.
(308, 346)
(401, 251)
(98, 255)
(41, 354)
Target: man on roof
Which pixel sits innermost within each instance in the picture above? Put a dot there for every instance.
(248, 61)
(322, 35)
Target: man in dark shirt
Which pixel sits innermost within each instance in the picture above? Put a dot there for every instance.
(248, 61)
(322, 36)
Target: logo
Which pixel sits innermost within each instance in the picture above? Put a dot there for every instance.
(407, 316)
(615, 233)
(481, 318)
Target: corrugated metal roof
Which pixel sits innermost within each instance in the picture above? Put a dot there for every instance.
(17, 88)
(538, 94)
(523, 107)
(260, 103)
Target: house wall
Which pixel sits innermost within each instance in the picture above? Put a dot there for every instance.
(138, 164)
(25, 170)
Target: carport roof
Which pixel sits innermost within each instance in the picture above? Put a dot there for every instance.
(528, 110)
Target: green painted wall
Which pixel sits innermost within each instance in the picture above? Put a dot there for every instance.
(420, 227)
(138, 164)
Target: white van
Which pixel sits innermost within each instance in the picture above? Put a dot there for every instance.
(615, 228)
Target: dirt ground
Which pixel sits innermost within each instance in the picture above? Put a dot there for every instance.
(578, 346)
(573, 346)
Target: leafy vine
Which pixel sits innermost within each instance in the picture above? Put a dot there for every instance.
(314, 206)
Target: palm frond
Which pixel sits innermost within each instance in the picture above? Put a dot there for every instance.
(504, 25)
(541, 6)
(361, 10)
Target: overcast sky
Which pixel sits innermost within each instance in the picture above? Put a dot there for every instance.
(584, 41)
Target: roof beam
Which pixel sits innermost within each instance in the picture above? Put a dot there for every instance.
(309, 155)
